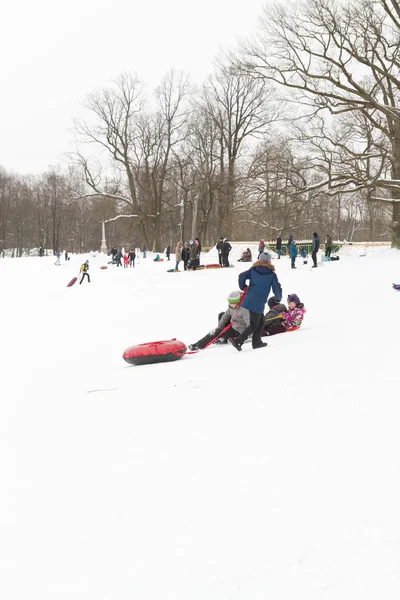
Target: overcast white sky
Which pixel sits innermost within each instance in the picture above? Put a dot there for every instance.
(53, 54)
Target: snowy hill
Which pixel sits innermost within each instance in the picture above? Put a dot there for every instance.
(262, 474)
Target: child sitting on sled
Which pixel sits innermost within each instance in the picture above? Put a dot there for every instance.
(236, 315)
(246, 256)
(275, 314)
(290, 319)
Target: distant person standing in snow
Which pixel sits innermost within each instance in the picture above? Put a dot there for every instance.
(168, 252)
(261, 247)
(118, 258)
(293, 254)
(226, 248)
(290, 240)
(132, 256)
(279, 245)
(219, 249)
(194, 256)
(58, 255)
(185, 255)
(84, 270)
(144, 250)
(328, 246)
(178, 254)
(315, 248)
(198, 247)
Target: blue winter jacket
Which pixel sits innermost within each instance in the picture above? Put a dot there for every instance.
(261, 278)
(293, 250)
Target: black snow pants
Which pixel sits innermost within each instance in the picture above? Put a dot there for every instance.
(256, 328)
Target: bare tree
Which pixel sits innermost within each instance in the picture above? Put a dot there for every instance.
(241, 107)
(338, 58)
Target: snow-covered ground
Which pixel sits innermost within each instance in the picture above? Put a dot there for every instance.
(267, 474)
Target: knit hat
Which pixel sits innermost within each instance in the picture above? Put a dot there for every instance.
(272, 301)
(265, 256)
(293, 298)
(234, 297)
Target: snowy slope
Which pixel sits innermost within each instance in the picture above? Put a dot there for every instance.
(261, 474)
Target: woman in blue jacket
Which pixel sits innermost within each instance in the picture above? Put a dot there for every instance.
(293, 253)
(261, 277)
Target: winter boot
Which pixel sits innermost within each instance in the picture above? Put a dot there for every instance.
(236, 345)
(260, 345)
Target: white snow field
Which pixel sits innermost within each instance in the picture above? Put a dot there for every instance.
(254, 475)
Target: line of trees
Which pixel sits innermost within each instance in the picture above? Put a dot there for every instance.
(297, 130)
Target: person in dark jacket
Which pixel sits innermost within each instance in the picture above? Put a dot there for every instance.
(118, 258)
(198, 247)
(293, 254)
(328, 245)
(194, 261)
(132, 256)
(279, 246)
(226, 248)
(168, 252)
(273, 318)
(185, 255)
(261, 277)
(261, 248)
(315, 248)
(219, 249)
(290, 240)
(144, 250)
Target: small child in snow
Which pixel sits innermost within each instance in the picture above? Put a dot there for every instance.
(236, 315)
(274, 316)
(126, 261)
(292, 318)
(84, 270)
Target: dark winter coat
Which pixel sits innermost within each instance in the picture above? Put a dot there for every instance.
(261, 277)
(185, 254)
(193, 252)
(274, 315)
(293, 250)
(315, 243)
(261, 247)
(279, 243)
(219, 245)
(132, 255)
(226, 248)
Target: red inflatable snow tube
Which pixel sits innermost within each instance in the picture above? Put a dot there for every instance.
(155, 352)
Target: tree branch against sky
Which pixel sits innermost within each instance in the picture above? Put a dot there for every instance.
(338, 57)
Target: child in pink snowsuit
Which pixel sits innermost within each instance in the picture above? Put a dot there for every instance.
(292, 318)
(126, 261)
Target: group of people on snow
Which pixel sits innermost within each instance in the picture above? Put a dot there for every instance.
(294, 252)
(245, 317)
(125, 259)
(188, 253)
